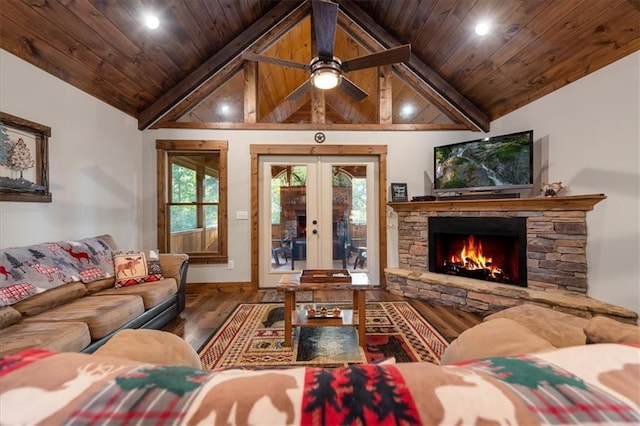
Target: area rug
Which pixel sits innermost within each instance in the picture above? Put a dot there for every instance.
(253, 336)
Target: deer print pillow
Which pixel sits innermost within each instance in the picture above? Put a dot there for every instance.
(135, 267)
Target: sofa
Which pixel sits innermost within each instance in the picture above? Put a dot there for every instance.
(586, 384)
(67, 296)
(531, 328)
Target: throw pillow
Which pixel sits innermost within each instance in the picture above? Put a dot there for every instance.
(498, 337)
(566, 329)
(602, 329)
(136, 267)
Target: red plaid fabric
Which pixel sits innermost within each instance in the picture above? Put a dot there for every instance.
(12, 294)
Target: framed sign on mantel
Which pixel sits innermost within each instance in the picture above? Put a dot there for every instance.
(24, 160)
(399, 192)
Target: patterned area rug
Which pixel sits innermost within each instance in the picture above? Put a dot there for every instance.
(253, 336)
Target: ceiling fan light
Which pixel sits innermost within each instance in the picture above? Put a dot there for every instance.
(326, 79)
(325, 74)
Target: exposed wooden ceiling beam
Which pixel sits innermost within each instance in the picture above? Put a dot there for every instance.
(426, 73)
(205, 71)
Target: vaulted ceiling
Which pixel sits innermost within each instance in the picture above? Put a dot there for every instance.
(190, 72)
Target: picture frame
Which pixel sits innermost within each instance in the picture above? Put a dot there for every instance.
(24, 160)
(399, 193)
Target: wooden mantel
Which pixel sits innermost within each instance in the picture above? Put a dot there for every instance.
(561, 203)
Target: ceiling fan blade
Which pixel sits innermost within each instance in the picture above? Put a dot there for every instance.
(301, 90)
(325, 21)
(352, 90)
(386, 57)
(271, 60)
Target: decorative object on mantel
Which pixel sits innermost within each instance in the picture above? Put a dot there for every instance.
(552, 189)
(24, 160)
(399, 192)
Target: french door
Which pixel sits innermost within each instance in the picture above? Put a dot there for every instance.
(317, 212)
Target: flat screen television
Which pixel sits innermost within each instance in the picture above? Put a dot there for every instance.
(498, 163)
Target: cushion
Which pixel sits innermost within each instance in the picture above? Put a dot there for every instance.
(601, 329)
(498, 337)
(558, 328)
(171, 263)
(98, 285)
(103, 314)
(51, 298)
(8, 316)
(61, 336)
(135, 267)
(150, 346)
(152, 293)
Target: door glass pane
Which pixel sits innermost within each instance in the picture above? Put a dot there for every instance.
(349, 195)
(288, 217)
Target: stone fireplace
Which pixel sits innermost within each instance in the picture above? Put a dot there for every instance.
(550, 268)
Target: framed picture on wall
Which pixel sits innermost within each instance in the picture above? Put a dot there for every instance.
(399, 192)
(24, 160)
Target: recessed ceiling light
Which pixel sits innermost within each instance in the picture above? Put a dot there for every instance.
(151, 21)
(224, 109)
(483, 28)
(407, 111)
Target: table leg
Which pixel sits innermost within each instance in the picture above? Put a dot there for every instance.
(289, 307)
(359, 303)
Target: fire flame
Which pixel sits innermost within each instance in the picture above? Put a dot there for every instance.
(472, 258)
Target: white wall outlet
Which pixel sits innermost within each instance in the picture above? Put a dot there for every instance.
(230, 264)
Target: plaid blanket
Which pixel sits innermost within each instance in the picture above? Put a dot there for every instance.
(594, 384)
(25, 271)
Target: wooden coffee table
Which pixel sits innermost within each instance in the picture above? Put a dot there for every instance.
(290, 284)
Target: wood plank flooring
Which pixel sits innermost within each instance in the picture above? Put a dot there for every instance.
(207, 308)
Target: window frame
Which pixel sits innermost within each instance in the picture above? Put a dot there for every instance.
(169, 148)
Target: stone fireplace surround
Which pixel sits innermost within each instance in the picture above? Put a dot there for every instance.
(556, 257)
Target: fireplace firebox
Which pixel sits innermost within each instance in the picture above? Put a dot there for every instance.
(486, 248)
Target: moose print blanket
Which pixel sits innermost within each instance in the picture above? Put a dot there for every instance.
(25, 271)
(590, 384)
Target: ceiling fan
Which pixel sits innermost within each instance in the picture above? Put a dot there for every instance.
(327, 71)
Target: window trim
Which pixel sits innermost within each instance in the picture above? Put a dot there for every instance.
(165, 148)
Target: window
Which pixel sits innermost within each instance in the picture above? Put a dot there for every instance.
(192, 199)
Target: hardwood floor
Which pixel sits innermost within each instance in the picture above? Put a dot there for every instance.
(207, 308)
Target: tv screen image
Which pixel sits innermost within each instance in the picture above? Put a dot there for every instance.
(492, 164)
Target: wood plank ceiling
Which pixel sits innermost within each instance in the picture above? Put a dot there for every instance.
(189, 72)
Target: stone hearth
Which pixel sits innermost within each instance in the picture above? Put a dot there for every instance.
(556, 257)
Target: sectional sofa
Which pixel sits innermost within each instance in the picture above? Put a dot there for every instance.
(61, 296)
(586, 384)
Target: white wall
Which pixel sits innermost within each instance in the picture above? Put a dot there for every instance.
(409, 152)
(94, 162)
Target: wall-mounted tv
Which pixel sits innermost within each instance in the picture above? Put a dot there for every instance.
(498, 163)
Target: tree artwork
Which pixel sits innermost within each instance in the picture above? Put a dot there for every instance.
(20, 157)
(24, 163)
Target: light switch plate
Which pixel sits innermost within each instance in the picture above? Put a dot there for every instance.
(242, 215)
